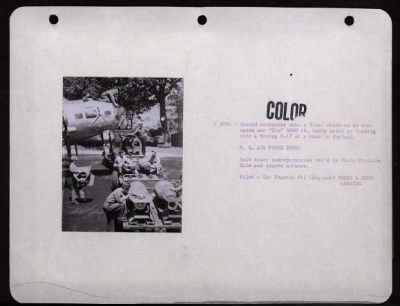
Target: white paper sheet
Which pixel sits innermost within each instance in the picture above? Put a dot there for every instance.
(285, 232)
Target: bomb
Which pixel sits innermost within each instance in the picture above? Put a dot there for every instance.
(166, 196)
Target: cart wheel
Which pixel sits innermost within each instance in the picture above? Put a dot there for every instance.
(114, 180)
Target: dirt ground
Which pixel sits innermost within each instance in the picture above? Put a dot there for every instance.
(90, 217)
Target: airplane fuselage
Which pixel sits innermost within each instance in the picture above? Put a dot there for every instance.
(86, 119)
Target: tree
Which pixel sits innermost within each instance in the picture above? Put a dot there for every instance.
(137, 94)
(77, 87)
(177, 97)
(146, 92)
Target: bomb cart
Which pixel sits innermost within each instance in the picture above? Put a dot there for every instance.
(128, 140)
(134, 168)
(131, 165)
(76, 176)
(146, 211)
(82, 176)
(150, 205)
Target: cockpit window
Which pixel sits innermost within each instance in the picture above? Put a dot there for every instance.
(78, 116)
(91, 113)
(107, 113)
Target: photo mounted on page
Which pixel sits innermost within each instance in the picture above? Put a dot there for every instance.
(122, 154)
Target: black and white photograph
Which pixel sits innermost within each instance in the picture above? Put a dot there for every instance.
(122, 154)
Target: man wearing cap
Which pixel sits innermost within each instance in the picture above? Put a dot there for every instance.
(114, 207)
(77, 188)
(155, 164)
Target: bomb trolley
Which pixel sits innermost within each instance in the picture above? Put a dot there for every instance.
(145, 209)
(135, 166)
(128, 142)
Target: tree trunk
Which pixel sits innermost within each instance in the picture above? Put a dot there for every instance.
(163, 118)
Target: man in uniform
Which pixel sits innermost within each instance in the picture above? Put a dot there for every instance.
(129, 163)
(119, 161)
(178, 188)
(138, 130)
(114, 207)
(155, 164)
(126, 121)
(110, 95)
(77, 188)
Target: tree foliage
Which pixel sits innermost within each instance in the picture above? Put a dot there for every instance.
(136, 94)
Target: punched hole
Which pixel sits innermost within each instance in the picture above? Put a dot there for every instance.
(349, 20)
(202, 20)
(53, 19)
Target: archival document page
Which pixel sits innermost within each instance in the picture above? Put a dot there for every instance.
(283, 169)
